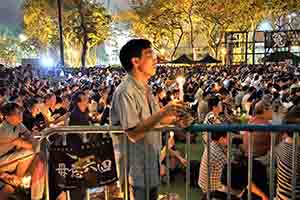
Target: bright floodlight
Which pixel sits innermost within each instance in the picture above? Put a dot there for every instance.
(47, 62)
(61, 74)
(292, 15)
(265, 26)
(22, 37)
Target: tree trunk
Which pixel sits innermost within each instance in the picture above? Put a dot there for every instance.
(177, 45)
(219, 43)
(216, 52)
(84, 51)
(192, 30)
(192, 37)
(253, 41)
(85, 36)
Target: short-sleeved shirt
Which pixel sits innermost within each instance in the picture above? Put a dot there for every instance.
(129, 107)
(30, 122)
(217, 162)
(8, 134)
(284, 155)
(261, 140)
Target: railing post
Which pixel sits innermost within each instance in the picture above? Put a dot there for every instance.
(125, 151)
(106, 191)
(272, 164)
(229, 141)
(146, 175)
(188, 177)
(168, 160)
(87, 194)
(68, 195)
(295, 164)
(250, 163)
(208, 164)
(46, 148)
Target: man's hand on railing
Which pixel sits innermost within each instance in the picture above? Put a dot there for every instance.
(21, 143)
(185, 121)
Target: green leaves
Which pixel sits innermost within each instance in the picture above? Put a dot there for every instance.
(83, 21)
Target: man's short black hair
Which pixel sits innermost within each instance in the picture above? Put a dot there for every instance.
(251, 89)
(292, 117)
(215, 136)
(9, 109)
(30, 103)
(48, 96)
(3, 91)
(132, 49)
(76, 98)
(212, 102)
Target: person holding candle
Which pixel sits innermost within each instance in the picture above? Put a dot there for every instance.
(137, 111)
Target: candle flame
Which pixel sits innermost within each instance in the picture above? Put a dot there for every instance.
(180, 80)
(26, 180)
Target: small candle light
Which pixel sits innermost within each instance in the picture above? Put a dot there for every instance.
(25, 182)
(180, 80)
(171, 133)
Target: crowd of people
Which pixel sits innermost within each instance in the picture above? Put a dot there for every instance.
(254, 94)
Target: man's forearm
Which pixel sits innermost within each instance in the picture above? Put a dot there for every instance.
(144, 126)
(22, 144)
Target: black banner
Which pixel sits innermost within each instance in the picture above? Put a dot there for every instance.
(83, 165)
(282, 39)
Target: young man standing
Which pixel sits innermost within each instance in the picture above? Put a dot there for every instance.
(137, 111)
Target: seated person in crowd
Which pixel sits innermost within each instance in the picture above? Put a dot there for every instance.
(175, 159)
(104, 118)
(239, 185)
(61, 112)
(16, 148)
(48, 107)
(32, 117)
(79, 113)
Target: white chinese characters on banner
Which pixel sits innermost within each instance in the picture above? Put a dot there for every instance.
(78, 172)
(280, 39)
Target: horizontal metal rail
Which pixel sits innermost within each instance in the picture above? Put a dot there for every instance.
(194, 128)
(198, 129)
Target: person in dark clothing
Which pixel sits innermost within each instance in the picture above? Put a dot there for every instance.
(106, 112)
(32, 117)
(239, 184)
(80, 115)
(62, 110)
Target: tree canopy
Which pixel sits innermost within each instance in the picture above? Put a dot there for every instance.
(86, 25)
(171, 23)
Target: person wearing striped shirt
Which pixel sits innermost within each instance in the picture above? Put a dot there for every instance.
(284, 156)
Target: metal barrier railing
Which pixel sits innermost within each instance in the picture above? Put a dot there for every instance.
(273, 129)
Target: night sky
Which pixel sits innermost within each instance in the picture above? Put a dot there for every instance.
(11, 15)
